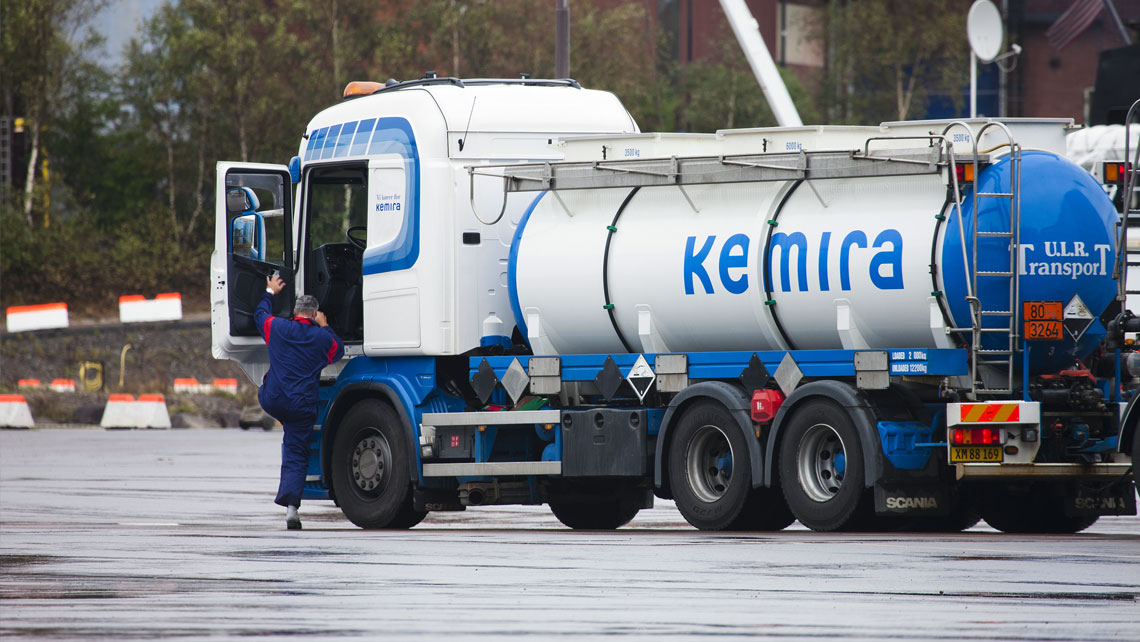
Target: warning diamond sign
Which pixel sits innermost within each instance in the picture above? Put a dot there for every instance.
(1077, 317)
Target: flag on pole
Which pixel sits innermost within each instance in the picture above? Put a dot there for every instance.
(1073, 22)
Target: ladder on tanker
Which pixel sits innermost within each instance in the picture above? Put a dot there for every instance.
(1003, 223)
(1128, 256)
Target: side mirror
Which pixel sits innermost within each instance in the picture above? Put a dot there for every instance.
(246, 233)
(241, 199)
(295, 169)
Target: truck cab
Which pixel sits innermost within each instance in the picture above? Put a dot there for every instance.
(387, 224)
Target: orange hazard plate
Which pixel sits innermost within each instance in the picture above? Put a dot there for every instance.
(1042, 320)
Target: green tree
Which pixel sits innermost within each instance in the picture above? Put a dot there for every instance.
(41, 45)
(721, 92)
(887, 58)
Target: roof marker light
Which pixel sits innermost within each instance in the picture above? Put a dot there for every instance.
(361, 88)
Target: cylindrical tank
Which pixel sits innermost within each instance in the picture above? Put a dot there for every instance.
(853, 263)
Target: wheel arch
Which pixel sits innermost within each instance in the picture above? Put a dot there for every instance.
(852, 401)
(348, 397)
(733, 399)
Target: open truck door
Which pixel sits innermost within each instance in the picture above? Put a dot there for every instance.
(252, 240)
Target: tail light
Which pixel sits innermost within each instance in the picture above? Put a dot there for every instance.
(965, 172)
(1114, 172)
(975, 436)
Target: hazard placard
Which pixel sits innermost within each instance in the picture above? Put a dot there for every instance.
(1042, 320)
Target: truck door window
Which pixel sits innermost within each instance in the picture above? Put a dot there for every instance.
(336, 202)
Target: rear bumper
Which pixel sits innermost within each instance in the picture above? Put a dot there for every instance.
(1042, 471)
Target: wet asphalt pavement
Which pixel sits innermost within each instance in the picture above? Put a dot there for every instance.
(173, 535)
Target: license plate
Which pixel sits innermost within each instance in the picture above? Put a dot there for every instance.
(966, 454)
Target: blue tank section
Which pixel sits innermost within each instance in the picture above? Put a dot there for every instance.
(1067, 250)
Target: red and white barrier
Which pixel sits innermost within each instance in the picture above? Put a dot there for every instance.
(189, 385)
(63, 385)
(192, 385)
(124, 411)
(26, 384)
(135, 308)
(14, 412)
(21, 318)
(226, 385)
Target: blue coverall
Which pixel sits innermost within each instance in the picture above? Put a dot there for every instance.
(298, 350)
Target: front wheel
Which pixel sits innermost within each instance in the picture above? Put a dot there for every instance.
(821, 468)
(370, 474)
(710, 471)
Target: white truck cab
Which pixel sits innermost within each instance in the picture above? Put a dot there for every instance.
(384, 226)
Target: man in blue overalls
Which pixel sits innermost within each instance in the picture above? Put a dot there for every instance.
(299, 348)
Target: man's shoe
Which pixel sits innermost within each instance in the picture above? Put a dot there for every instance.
(292, 519)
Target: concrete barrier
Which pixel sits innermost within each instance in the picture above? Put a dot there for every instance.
(28, 384)
(63, 385)
(124, 411)
(21, 318)
(135, 308)
(189, 385)
(226, 385)
(14, 412)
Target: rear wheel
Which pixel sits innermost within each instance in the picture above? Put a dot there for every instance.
(370, 474)
(764, 510)
(710, 471)
(1033, 512)
(598, 516)
(821, 468)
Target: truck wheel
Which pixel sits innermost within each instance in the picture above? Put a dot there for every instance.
(603, 516)
(764, 510)
(1032, 513)
(821, 468)
(710, 471)
(370, 474)
(1136, 460)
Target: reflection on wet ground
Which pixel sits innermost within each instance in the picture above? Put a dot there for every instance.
(157, 535)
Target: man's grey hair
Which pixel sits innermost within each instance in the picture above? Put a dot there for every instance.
(306, 304)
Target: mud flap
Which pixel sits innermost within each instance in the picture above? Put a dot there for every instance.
(1089, 499)
(911, 500)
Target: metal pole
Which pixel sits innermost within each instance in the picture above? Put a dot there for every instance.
(973, 85)
(748, 34)
(561, 38)
(1116, 19)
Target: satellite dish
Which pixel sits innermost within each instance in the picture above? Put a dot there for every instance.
(984, 29)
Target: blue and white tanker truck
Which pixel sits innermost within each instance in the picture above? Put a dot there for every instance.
(910, 326)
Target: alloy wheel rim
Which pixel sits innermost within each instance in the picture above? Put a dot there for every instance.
(822, 463)
(708, 462)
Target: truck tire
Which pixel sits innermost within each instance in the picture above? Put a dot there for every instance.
(710, 471)
(1136, 460)
(1036, 512)
(370, 474)
(821, 468)
(764, 510)
(596, 516)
